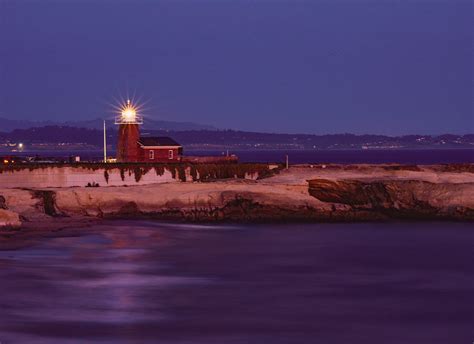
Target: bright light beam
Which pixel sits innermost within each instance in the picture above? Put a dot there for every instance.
(129, 112)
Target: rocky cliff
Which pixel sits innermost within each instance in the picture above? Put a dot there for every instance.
(399, 198)
(306, 193)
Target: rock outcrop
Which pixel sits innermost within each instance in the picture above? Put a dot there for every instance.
(330, 193)
(399, 198)
(9, 219)
(194, 202)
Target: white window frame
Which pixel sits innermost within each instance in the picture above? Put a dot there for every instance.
(170, 154)
(151, 154)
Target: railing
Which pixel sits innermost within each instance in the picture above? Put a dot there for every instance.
(137, 119)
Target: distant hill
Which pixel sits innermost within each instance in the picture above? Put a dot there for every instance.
(231, 139)
(8, 125)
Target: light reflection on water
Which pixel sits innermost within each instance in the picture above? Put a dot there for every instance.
(148, 282)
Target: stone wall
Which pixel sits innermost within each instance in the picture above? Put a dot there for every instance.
(78, 176)
(60, 176)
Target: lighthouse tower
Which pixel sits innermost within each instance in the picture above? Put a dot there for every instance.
(128, 134)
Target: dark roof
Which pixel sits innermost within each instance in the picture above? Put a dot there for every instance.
(157, 141)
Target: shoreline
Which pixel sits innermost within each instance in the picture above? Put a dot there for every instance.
(304, 193)
(30, 234)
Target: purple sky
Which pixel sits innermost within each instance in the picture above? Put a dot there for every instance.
(390, 67)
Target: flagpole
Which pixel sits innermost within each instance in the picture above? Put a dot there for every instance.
(105, 144)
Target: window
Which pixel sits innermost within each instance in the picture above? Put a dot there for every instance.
(170, 154)
(151, 154)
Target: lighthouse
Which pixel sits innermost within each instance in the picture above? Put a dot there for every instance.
(133, 148)
(129, 133)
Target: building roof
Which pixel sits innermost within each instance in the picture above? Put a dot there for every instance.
(156, 141)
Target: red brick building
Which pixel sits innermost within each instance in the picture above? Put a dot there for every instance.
(133, 148)
(159, 149)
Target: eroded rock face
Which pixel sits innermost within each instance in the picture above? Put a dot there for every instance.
(358, 193)
(3, 204)
(9, 219)
(399, 198)
(194, 202)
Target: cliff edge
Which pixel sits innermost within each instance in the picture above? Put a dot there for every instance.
(302, 193)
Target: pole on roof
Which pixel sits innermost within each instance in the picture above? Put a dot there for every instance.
(105, 144)
(287, 162)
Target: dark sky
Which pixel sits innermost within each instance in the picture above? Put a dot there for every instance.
(380, 66)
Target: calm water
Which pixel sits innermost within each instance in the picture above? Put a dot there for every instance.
(422, 157)
(401, 156)
(145, 282)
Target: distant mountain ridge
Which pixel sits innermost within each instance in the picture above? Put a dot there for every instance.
(8, 125)
(232, 139)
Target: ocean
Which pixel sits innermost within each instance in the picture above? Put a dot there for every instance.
(370, 156)
(153, 282)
